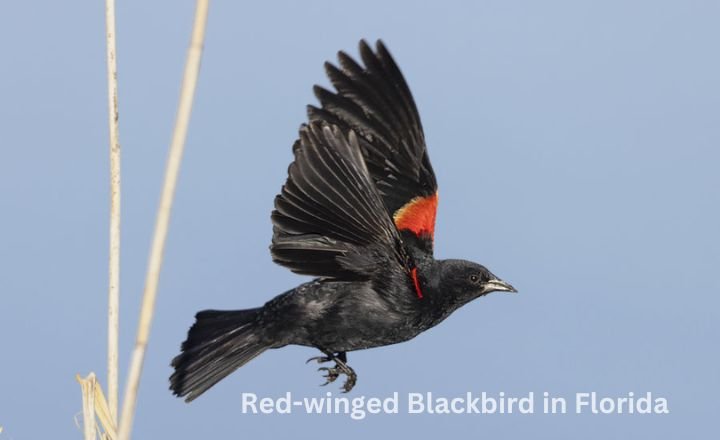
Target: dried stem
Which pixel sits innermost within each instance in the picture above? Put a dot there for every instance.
(114, 264)
(87, 386)
(192, 67)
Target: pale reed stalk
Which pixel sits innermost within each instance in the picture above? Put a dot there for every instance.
(88, 386)
(192, 67)
(114, 264)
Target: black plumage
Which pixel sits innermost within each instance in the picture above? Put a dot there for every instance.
(357, 212)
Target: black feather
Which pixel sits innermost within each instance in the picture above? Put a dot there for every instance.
(330, 211)
(374, 101)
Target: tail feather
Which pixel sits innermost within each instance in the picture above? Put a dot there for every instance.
(218, 343)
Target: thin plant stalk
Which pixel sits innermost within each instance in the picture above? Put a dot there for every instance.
(114, 260)
(88, 386)
(187, 92)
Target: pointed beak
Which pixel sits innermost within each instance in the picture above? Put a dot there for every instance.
(498, 285)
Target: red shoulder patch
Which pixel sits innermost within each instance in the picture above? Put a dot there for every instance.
(418, 216)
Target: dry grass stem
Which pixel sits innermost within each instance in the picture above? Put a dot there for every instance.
(87, 386)
(192, 67)
(114, 261)
(95, 405)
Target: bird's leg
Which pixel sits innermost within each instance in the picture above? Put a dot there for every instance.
(341, 367)
(332, 373)
(341, 363)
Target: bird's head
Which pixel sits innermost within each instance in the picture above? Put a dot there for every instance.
(463, 281)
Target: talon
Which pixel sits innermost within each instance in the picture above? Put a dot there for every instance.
(332, 373)
(349, 383)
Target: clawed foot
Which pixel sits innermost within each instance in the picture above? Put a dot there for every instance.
(332, 373)
(319, 359)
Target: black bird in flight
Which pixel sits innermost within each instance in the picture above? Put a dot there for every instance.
(357, 212)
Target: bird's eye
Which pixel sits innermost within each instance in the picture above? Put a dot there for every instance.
(474, 278)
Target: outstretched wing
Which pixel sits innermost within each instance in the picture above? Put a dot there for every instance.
(329, 219)
(375, 102)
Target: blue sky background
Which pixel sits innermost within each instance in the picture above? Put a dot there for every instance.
(576, 146)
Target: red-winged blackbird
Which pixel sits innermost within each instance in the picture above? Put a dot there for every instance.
(358, 212)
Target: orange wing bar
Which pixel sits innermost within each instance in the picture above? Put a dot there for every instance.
(418, 216)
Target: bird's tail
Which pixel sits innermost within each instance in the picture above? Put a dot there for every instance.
(218, 343)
